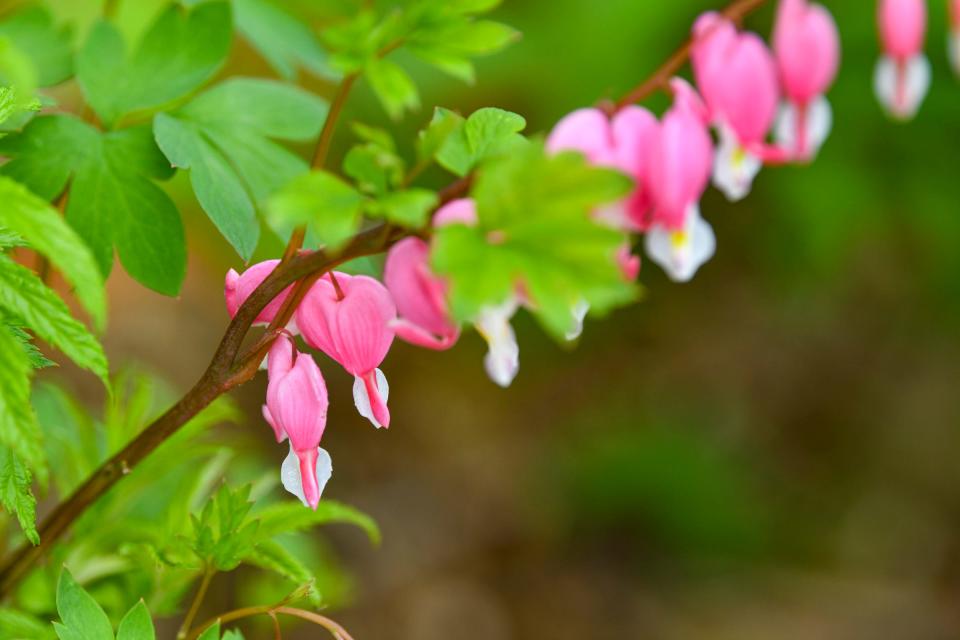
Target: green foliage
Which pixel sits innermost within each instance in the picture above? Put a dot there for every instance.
(83, 619)
(223, 138)
(113, 200)
(47, 46)
(19, 432)
(285, 41)
(535, 228)
(330, 206)
(181, 50)
(487, 133)
(15, 493)
(290, 517)
(136, 625)
(38, 225)
(17, 625)
(222, 534)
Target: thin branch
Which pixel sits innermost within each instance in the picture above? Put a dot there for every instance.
(334, 628)
(195, 605)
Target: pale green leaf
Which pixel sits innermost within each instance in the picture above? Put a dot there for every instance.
(34, 33)
(287, 517)
(487, 133)
(319, 199)
(409, 208)
(80, 614)
(394, 88)
(137, 624)
(283, 39)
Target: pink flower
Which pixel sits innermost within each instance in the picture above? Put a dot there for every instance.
(296, 408)
(348, 318)
(238, 288)
(902, 76)
(617, 143)
(420, 295)
(807, 49)
(737, 76)
(953, 45)
(680, 162)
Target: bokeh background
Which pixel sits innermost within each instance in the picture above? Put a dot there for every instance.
(767, 452)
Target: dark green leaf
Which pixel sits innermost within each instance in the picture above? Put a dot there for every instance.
(329, 205)
(81, 616)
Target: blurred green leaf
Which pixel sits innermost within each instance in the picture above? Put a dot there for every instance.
(393, 87)
(282, 38)
(81, 616)
(19, 432)
(321, 200)
(16, 494)
(288, 517)
(32, 31)
(137, 624)
(17, 625)
(408, 208)
(485, 134)
(223, 536)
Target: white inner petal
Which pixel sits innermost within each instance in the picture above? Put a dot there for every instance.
(953, 48)
(578, 313)
(902, 96)
(362, 400)
(734, 168)
(290, 473)
(502, 361)
(681, 253)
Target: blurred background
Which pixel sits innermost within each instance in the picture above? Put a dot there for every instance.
(767, 452)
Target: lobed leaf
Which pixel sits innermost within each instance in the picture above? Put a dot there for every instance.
(330, 206)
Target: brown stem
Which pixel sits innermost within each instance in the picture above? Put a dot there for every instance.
(660, 79)
(195, 605)
(336, 107)
(335, 629)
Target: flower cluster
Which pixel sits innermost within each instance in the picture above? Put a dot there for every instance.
(745, 92)
(902, 76)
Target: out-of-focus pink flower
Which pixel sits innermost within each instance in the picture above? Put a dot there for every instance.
(238, 288)
(617, 143)
(629, 264)
(737, 77)
(348, 318)
(953, 44)
(807, 49)
(679, 240)
(296, 408)
(420, 295)
(902, 76)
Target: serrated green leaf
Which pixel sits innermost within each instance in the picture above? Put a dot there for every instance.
(535, 230)
(24, 297)
(393, 87)
(19, 431)
(223, 138)
(82, 617)
(16, 494)
(113, 201)
(181, 50)
(274, 557)
(284, 40)
(137, 624)
(37, 359)
(329, 205)
(487, 133)
(408, 208)
(288, 517)
(34, 33)
(45, 231)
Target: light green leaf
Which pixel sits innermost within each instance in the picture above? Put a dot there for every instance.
(212, 632)
(375, 168)
(329, 205)
(24, 296)
(18, 625)
(409, 208)
(274, 557)
(487, 133)
(136, 625)
(34, 33)
(288, 517)
(37, 359)
(181, 50)
(443, 124)
(46, 231)
(394, 88)
(19, 431)
(82, 617)
(16, 494)
(283, 39)
(113, 201)
(222, 137)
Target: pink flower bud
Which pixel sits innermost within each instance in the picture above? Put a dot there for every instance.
(296, 408)
(348, 318)
(459, 211)
(953, 44)
(618, 143)
(424, 318)
(902, 76)
(238, 288)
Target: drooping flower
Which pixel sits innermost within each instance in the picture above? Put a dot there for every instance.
(238, 288)
(680, 240)
(296, 408)
(502, 360)
(348, 318)
(420, 295)
(953, 44)
(617, 143)
(902, 76)
(807, 49)
(737, 77)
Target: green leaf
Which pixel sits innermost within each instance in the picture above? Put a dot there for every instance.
(137, 624)
(283, 39)
(375, 168)
(113, 200)
(393, 87)
(33, 32)
(82, 617)
(487, 133)
(288, 517)
(535, 228)
(212, 632)
(274, 557)
(409, 208)
(181, 50)
(24, 296)
(16, 495)
(17, 625)
(222, 137)
(45, 231)
(37, 359)
(19, 431)
(327, 204)
(223, 536)
(443, 124)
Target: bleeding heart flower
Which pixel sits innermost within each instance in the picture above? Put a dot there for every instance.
(296, 408)
(953, 43)
(737, 76)
(238, 288)
(420, 295)
(807, 49)
(680, 164)
(348, 318)
(617, 143)
(902, 76)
